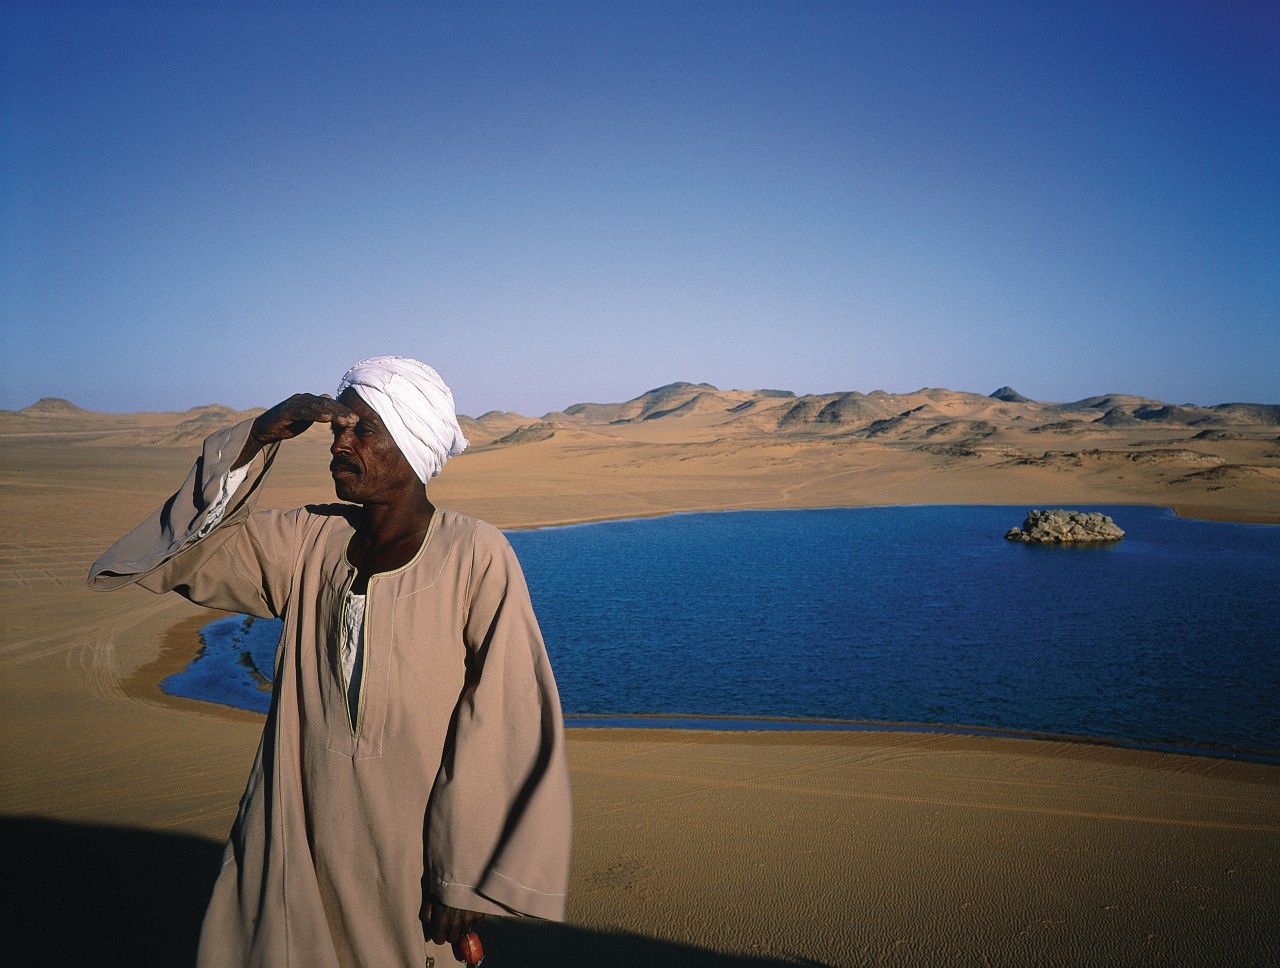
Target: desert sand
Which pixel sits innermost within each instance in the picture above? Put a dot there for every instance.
(692, 848)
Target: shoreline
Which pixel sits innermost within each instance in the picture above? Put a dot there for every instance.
(178, 648)
(1201, 512)
(1189, 512)
(181, 644)
(786, 724)
(1063, 748)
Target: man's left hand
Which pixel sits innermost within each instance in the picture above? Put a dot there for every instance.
(446, 925)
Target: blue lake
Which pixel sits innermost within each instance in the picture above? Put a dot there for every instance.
(919, 614)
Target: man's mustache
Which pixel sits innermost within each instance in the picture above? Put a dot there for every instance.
(338, 464)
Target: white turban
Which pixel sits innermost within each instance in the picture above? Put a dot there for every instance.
(415, 405)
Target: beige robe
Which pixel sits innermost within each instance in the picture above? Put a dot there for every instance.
(453, 775)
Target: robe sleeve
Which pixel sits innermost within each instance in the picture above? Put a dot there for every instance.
(214, 553)
(499, 821)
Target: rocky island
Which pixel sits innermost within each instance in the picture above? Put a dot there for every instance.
(1065, 527)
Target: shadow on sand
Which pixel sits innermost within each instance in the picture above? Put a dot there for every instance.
(87, 895)
(519, 943)
(108, 896)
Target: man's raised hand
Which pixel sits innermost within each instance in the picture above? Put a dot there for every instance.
(291, 417)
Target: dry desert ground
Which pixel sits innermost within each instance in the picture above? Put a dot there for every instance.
(691, 848)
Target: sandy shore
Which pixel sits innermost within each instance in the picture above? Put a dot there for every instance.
(692, 848)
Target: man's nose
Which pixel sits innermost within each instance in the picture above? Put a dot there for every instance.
(341, 442)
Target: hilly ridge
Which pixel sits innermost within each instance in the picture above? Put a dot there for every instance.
(925, 412)
(693, 446)
(772, 448)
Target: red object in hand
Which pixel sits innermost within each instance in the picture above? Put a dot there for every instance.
(469, 950)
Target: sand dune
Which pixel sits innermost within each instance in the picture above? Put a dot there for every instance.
(691, 446)
(688, 446)
(692, 848)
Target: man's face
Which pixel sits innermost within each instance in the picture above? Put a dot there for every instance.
(367, 466)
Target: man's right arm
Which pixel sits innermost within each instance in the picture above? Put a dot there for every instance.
(202, 542)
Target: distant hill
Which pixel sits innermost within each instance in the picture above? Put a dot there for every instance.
(692, 411)
(936, 418)
(1009, 395)
(736, 448)
(52, 405)
(55, 416)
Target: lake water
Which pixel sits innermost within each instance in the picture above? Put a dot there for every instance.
(921, 615)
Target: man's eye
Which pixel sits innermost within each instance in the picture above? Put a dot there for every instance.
(360, 429)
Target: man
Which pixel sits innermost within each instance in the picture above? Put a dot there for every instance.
(411, 774)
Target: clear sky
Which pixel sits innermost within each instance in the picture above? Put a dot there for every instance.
(561, 202)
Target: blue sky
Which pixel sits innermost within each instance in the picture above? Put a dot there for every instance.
(561, 202)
